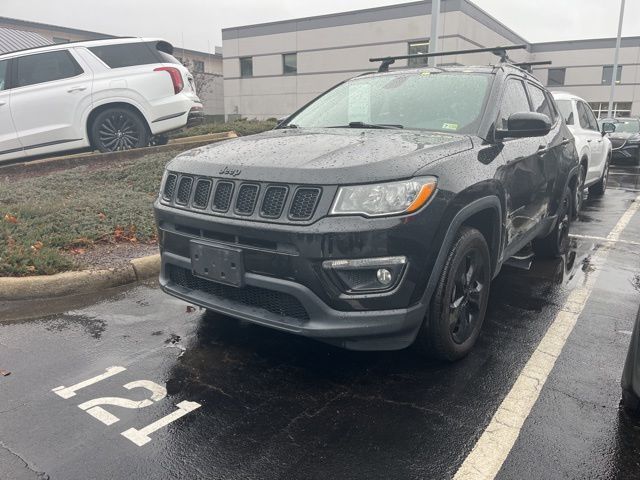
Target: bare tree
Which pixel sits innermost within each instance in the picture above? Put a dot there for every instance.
(201, 80)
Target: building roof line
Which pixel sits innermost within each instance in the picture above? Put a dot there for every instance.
(96, 35)
(387, 12)
(45, 26)
(583, 44)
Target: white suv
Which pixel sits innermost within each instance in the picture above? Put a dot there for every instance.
(106, 94)
(594, 148)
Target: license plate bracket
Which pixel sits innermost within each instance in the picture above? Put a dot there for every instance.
(217, 263)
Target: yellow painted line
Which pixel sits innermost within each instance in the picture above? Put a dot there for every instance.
(494, 445)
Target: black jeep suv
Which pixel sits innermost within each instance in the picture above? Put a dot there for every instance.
(377, 215)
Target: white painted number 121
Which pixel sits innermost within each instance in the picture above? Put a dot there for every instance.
(94, 408)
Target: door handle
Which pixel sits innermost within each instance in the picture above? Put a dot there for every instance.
(589, 140)
(542, 149)
(76, 89)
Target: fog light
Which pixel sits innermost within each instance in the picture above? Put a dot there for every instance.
(384, 276)
(366, 274)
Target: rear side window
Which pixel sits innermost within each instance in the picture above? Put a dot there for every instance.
(586, 117)
(45, 67)
(3, 74)
(128, 54)
(566, 110)
(540, 102)
(514, 101)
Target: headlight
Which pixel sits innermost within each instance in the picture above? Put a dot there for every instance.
(381, 199)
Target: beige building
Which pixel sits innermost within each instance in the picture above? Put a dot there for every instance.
(272, 69)
(206, 67)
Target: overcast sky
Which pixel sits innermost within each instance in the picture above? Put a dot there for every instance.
(199, 21)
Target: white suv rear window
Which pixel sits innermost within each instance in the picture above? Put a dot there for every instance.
(127, 54)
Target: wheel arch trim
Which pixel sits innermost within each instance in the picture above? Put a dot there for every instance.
(112, 103)
(491, 202)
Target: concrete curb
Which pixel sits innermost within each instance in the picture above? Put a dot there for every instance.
(45, 165)
(74, 283)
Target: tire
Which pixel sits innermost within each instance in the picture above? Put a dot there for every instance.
(631, 403)
(556, 243)
(157, 140)
(118, 128)
(578, 199)
(598, 189)
(452, 325)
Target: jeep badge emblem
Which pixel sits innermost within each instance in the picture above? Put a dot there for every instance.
(229, 171)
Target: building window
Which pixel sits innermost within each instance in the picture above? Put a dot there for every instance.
(556, 76)
(607, 70)
(60, 40)
(198, 66)
(620, 109)
(416, 48)
(290, 63)
(246, 67)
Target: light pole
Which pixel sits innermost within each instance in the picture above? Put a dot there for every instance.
(614, 74)
(435, 31)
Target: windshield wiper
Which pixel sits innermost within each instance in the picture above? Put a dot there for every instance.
(369, 125)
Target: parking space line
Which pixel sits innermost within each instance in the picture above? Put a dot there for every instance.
(603, 239)
(494, 445)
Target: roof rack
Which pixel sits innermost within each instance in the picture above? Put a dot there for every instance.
(499, 51)
(526, 66)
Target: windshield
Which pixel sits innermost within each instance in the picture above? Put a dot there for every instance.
(628, 126)
(427, 100)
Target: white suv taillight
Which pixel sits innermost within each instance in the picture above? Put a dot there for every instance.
(176, 77)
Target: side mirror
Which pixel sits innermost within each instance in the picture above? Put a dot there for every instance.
(525, 124)
(608, 128)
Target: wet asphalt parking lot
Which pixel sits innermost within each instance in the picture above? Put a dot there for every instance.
(198, 396)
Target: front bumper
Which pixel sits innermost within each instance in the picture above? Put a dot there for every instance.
(285, 286)
(627, 151)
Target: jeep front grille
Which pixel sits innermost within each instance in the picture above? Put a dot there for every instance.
(184, 190)
(222, 198)
(239, 199)
(246, 200)
(201, 195)
(170, 186)
(304, 203)
(273, 202)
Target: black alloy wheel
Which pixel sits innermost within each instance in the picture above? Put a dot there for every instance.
(119, 129)
(453, 322)
(599, 188)
(466, 297)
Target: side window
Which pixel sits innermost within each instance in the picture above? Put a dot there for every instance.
(514, 101)
(246, 67)
(593, 123)
(554, 108)
(539, 101)
(3, 74)
(127, 54)
(587, 120)
(566, 110)
(45, 67)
